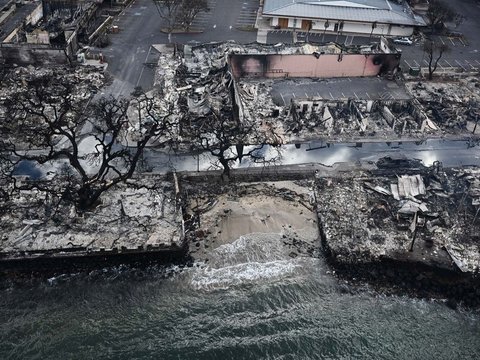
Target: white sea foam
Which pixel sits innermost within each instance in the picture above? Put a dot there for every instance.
(252, 258)
(242, 274)
(255, 247)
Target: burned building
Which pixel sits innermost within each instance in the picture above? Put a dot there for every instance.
(401, 227)
(403, 211)
(315, 61)
(422, 214)
(239, 81)
(46, 32)
(454, 104)
(309, 92)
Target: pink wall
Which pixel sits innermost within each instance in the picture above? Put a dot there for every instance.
(272, 66)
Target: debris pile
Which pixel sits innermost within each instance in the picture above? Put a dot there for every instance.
(191, 89)
(142, 215)
(72, 86)
(229, 80)
(88, 80)
(453, 104)
(423, 215)
(55, 22)
(304, 119)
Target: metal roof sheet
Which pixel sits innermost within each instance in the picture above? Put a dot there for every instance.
(382, 11)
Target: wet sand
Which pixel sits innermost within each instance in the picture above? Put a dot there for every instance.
(276, 207)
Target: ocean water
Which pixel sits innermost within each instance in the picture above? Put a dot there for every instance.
(251, 300)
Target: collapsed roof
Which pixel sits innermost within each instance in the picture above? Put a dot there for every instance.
(428, 215)
(283, 90)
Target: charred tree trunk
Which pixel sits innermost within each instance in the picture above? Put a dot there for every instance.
(88, 198)
(226, 167)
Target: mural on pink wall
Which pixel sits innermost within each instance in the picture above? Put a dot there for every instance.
(315, 65)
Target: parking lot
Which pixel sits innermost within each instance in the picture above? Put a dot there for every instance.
(466, 65)
(224, 14)
(283, 91)
(140, 28)
(464, 47)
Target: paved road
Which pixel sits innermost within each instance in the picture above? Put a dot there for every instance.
(130, 53)
(450, 153)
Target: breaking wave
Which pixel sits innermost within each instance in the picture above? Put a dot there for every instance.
(241, 274)
(251, 259)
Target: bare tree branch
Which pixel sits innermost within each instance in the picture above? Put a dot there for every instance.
(438, 13)
(230, 141)
(434, 53)
(52, 122)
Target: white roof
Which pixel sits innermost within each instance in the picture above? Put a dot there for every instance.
(381, 11)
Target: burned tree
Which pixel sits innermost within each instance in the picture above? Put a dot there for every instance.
(189, 11)
(50, 124)
(169, 11)
(181, 13)
(434, 53)
(438, 13)
(229, 141)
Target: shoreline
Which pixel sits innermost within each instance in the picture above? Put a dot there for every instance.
(47, 265)
(390, 273)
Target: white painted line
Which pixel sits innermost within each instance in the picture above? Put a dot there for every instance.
(143, 67)
(478, 62)
(426, 62)
(283, 99)
(368, 95)
(453, 42)
(318, 94)
(473, 67)
(449, 63)
(331, 96)
(356, 95)
(460, 65)
(306, 95)
(416, 63)
(343, 94)
(463, 42)
(406, 62)
(293, 94)
(441, 66)
(443, 42)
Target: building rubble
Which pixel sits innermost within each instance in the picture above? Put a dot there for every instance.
(50, 31)
(454, 104)
(243, 83)
(142, 215)
(411, 213)
(82, 84)
(88, 80)
(304, 119)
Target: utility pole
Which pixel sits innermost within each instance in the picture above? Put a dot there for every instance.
(326, 26)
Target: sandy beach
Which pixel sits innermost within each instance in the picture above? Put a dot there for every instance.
(276, 207)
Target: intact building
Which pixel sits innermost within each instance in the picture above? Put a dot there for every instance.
(361, 17)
